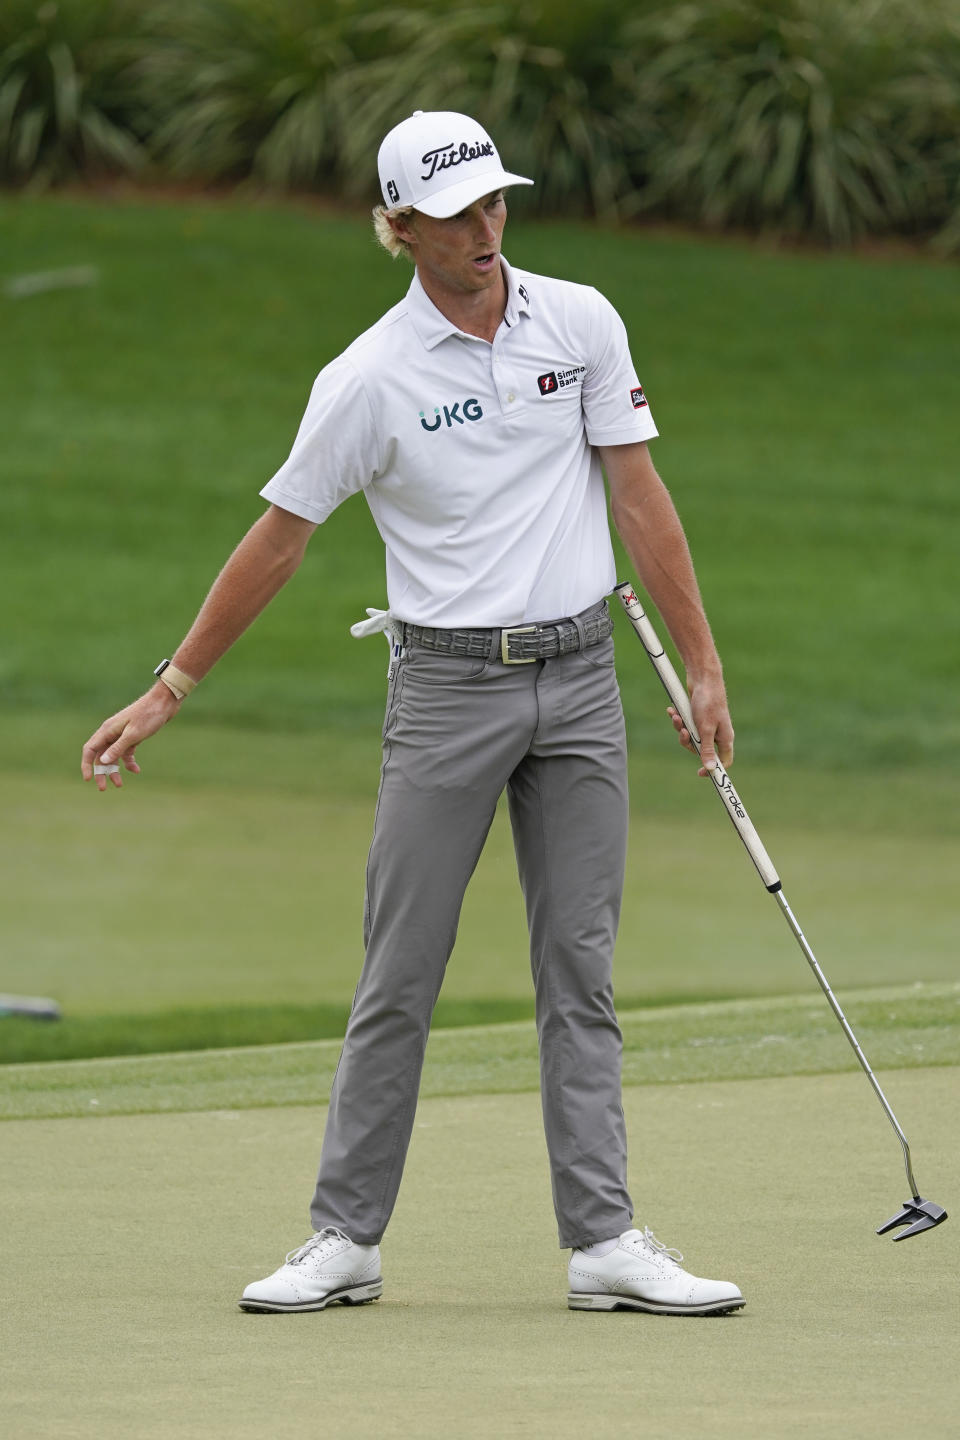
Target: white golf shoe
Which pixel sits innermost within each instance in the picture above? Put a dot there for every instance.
(328, 1267)
(642, 1274)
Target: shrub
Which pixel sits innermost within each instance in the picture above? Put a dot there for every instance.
(66, 102)
(550, 113)
(808, 115)
(238, 89)
(302, 95)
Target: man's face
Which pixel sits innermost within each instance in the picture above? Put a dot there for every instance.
(462, 253)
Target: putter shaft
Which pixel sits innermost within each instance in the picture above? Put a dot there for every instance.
(822, 981)
(767, 871)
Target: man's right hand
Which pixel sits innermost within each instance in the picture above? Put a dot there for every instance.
(117, 738)
(262, 563)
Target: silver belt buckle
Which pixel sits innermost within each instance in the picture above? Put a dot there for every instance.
(505, 644)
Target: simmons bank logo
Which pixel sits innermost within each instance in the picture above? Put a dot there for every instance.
(555, 380)
(453, 414)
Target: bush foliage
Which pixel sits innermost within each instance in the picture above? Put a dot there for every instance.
(805, 116)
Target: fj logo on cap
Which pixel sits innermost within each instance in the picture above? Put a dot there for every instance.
(638, 398)
(393, 192)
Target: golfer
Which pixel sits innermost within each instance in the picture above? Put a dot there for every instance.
(475, 417)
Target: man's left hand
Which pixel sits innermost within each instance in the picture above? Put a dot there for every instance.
(708, 701)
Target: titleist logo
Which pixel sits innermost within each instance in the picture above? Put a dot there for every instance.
(446, 156)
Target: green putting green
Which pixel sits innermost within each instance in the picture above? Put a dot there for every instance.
(128, 1240)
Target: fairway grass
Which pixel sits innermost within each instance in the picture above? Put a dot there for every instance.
(128, 1242)
(141, 416)
(917, 1025)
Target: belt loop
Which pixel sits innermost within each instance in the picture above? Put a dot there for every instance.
(494, 652)
(581, 633)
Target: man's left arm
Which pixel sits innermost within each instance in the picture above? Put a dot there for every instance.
(650, 529)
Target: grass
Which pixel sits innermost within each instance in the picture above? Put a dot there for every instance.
(177, 383)
(154, 1224)
(272, 942)
(140, 417)
(901, 1026)
(154, 1032)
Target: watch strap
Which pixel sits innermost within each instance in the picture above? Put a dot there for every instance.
(174, 679)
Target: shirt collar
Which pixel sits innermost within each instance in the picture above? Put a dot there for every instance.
(432, 326)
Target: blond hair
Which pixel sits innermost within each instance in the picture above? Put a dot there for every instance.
(385, 233)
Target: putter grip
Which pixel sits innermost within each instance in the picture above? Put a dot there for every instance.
(675, 689)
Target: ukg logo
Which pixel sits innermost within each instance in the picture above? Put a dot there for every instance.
(453, 414)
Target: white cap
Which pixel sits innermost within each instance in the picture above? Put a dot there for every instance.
(439, 162)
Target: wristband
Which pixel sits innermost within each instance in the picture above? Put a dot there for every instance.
(175, 679)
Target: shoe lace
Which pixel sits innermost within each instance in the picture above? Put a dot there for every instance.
(661, 1249)
(322, 1237)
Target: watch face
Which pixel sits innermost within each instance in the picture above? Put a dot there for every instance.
(161, 667)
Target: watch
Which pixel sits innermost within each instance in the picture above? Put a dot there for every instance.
(174, 679)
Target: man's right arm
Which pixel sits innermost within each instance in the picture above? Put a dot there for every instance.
(260, 566)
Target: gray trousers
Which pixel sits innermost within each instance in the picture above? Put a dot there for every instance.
(457, 731)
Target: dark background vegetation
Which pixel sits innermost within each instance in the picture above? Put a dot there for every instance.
(807, 117)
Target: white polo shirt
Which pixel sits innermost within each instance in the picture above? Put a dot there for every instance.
(476, 459)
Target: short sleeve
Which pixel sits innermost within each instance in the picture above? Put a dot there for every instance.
(615, 409)
(336, 451)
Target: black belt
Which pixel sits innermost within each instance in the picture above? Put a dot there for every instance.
(518, 644)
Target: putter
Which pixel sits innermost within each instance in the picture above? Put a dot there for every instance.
(917, 1214)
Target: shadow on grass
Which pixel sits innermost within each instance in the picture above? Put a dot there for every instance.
(87, 1037)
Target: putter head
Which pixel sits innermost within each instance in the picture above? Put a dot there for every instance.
(918, 1215)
